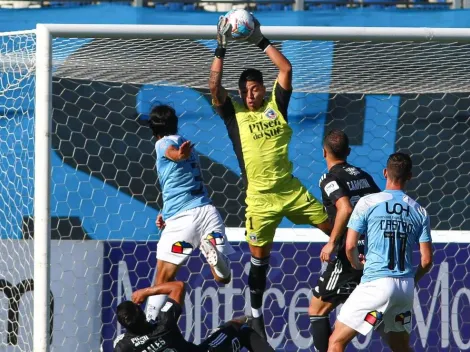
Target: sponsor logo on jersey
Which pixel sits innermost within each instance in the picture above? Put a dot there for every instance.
(358, 184)
(216, 238)
(352, 171)
(182, 247)
(373, 318)
(397, 209)
(331, 187)
(270, 114)
(140, 340)
(403, 318)
(265, 129)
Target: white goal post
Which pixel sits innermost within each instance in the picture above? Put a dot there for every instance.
(43, 111)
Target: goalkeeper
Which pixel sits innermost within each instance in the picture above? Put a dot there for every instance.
(258, 128)
(165, 335)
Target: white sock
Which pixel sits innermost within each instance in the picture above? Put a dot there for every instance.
(256, 312)
(154, 304)
(222, 269)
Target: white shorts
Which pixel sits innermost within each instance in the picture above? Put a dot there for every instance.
(388, 300)
(184, 232)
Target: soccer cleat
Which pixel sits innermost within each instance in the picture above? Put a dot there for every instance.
(210, 252)
(215, 259)
(257, 324)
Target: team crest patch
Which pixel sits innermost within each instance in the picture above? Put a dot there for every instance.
(373, 318)
(182, 247)
(270, 114)
(253, 237)
(403, 318)
(216, 238)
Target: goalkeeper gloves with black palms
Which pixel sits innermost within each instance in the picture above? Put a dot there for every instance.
(224, 29)
(257, 37)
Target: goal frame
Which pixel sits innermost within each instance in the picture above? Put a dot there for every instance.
(43, 111)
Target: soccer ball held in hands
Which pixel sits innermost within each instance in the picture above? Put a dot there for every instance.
(243, 23)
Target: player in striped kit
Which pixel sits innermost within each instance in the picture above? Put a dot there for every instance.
(341, 188)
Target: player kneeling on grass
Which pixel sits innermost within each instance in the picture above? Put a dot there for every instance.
(189, 220)
(165, 335)
(393, 223)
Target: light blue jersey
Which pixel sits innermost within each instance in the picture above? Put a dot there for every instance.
(181, 182)
(393, 223)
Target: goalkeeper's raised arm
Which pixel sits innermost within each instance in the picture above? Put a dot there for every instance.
(219, 94)
(282, 63)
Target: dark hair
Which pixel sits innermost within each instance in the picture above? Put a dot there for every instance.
(131, 316)
(250, 74)
(399, 167)
(337, 143)
(163, 121)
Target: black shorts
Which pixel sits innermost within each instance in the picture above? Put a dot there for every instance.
(337, 282)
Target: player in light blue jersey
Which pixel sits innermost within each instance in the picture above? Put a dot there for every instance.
(189, 220)
(392, 223)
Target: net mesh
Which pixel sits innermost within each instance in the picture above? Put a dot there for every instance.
(16, 187)
(398, 96)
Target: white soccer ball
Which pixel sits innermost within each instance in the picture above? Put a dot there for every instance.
(243, 23)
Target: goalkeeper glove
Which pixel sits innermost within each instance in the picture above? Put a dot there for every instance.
(224, 29)
(258, 38)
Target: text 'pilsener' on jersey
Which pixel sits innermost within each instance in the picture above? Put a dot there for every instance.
(261, 140)
(345, 180)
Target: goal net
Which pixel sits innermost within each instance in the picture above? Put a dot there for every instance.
(401, 95)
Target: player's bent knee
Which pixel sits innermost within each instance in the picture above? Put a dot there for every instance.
(319, 308)
(166, 272)
(335, 346)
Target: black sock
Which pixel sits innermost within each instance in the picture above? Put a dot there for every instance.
(321, 330)
(257, 280)
(255, 342)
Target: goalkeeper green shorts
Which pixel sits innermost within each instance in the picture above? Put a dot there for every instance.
(265, 211)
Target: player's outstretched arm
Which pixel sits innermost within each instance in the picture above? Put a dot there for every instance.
(284, 77)
(179, 154)
(351, 249)
(219, 94)
(425, 249)
(174, 290)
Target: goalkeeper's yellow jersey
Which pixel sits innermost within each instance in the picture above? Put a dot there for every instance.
(261, 140)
